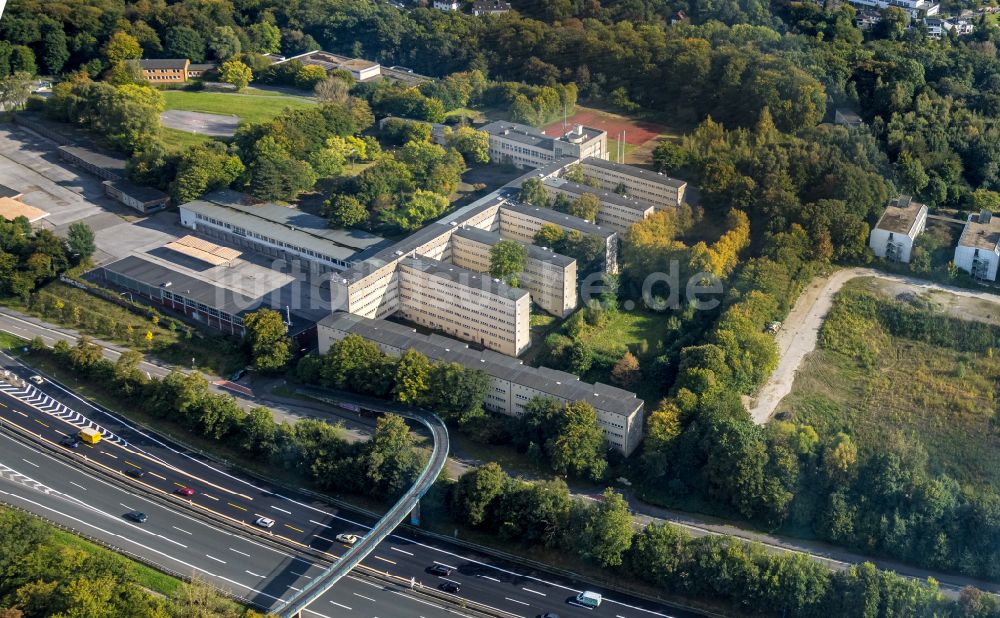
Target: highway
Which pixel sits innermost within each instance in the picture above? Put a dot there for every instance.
(305, 526)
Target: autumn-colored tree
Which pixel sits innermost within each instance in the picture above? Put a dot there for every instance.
(626, 373)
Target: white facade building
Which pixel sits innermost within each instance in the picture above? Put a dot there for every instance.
(978, 250)
(616, 211)
(658, 189)
(915, 8)
(893, 236)
(526, 146)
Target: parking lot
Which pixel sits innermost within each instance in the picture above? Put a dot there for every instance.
(215, 125)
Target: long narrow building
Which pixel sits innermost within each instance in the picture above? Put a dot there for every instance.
(620, 414)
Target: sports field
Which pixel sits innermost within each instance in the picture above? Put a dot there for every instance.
(641, 136)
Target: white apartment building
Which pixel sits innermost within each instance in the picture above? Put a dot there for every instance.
(893, 236)
(526, 146)
(641, 184)
(465, 304)
(978, 250)
(620, 414)
(549, 277)
(277, 231)
(915, 8)
(616, 212)
(446, 5)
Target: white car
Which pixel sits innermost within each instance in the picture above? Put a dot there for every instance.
(264, 522)
(37, 379)
(350, 539)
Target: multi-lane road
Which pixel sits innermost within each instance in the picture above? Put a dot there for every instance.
(212, 532)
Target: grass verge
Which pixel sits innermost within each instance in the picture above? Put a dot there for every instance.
(252, 107)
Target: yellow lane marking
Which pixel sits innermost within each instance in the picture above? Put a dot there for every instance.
(3, 404)
(131, 464)
(114, 456)
(179, 485)
(236, 506)
(162, 478)
(293, 528)
(383, 559)
(40, 423)
(88, 445)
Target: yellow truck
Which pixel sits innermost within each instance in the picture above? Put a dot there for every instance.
(90, 435)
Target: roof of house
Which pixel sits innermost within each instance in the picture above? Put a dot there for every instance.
(203, 250)
(490, 5)
(637, 172)
(95, 158)
(358, 64)
(982, 231)
(463, 276)
(164, 63)
(140, 192)
(11, 209)
(289, 225)
(554, 383)
(521, 133)
(901, 216)
(6, 191)
(534, 251)
(609, 197)
(561, 219)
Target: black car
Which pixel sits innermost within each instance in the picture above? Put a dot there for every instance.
(136, 473)
(439, 569)
(451, 587)
(548, 615)
(136, 516)
(70, 442)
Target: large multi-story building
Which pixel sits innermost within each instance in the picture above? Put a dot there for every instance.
(526, 146)
(277, 231)
(917, 9)
(893, 236)
(978, 249)
(620, 414)
(464, 303)
(165, 71)
(521, 222)
(616, 211)
(658, 189)
(549, 277)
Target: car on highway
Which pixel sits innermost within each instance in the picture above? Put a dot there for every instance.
(70, 442)
(137, 516)
(136, 473)
(264, 522)
(440, 569)
(184, 491)
(350, 539)
(37, 379)
(548, 615)
(451, 587)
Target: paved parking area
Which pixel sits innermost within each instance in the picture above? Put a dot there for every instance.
(31, 165)
(215, 125)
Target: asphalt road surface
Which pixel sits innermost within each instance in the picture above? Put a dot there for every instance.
(251, 569)
(215, 125)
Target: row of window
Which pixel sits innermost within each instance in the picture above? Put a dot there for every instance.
(239, 231)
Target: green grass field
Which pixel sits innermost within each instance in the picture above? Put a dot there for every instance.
(249, 107)
(176, 140)
(942, 398)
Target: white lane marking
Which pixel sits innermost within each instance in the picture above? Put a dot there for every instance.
(516, 601)
(29, 462)
(344, 606)
(492, 579)
(363, 596)
(21, 413)
(319, 524)
(451, 580)
(180, 529)
(400, 550)
(172, 541)
(295, 589)
(534, 592)
(300, 575)
(126, 506)
(282, 510)
(214, 558)
(445, 565)
(78, 485)
(239, 552)
(254, 574)
(367, 583)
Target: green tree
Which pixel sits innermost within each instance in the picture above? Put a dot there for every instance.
(185, 42)
(265, 38)
(549, 235)
(236, 73)
(259, 432)
(122, 47)
(224, 43)
(56, 52)
(345, 211)
(606, 532)
(412, 378)
(507, 260)
(81, 241)
(351, 362)
(586, 207)
(533, 193)
(476, 492)
(270, 347)
(15, 90)
(389, 461)
(577, 444)
(472, 144)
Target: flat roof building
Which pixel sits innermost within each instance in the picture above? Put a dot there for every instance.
(616, 211)
(360, 69)
(525, 146)
(490, 7)
(658, 189)
(144, 199)
(978, 250)
(893, 236)
(620, 414)
(97, 163)
(521, 222)
(277, 231)
(549, 277)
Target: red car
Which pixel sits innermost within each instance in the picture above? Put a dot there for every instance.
(185, 491)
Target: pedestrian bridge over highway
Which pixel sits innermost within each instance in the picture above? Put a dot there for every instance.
(395, 516)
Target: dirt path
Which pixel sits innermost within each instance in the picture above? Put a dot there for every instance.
(799, 332)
